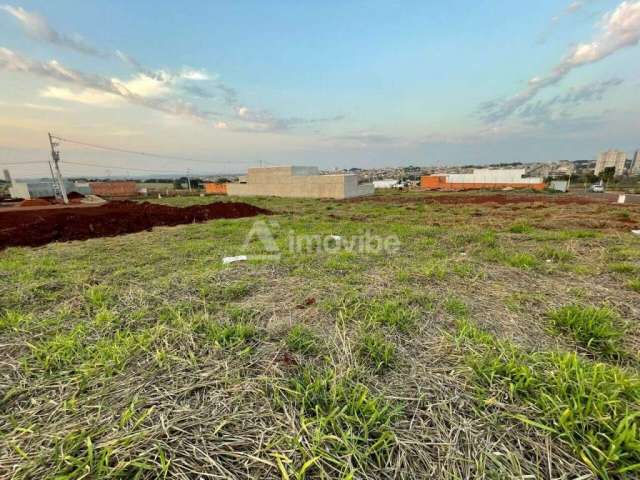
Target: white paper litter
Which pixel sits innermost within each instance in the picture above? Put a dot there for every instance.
(636, 232)
(335, 237)
(239, 258)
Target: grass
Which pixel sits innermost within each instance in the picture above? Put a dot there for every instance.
(230, 335)
(592, 407)
(623, 267)
(598, 329)
(376, 351)
(634, 284)
(130, 356)
(343, 426)
(301, 339)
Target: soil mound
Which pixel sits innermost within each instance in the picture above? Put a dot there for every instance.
(38, 227)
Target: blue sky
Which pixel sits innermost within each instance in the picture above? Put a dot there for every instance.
(225, 85)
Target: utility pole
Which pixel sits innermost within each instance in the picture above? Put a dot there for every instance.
(189, 178)
(55, 156)
(54, 183)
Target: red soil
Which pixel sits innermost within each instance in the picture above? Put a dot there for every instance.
(36, 202)
(39, 227)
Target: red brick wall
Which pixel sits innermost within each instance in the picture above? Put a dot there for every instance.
(114, 189)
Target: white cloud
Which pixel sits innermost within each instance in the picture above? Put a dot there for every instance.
(36, 26)
(86, 96)
(618, 29)
(143, 86)
(195, 75)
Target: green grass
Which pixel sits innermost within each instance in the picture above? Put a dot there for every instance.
(394, 314)
(599, 329)
(301, 339)
(230, 335)
(523, 260)
(342, 425)
(634, 284)
(456, 307)
(623, 267)
(521, 228)
(375, 351)
(592, 407)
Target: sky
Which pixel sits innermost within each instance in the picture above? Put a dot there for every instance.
(216, 87)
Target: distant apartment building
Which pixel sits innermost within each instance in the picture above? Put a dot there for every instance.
(611, 158)
(635, 166)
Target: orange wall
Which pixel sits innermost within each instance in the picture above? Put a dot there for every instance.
(433, 182)
(215, 188)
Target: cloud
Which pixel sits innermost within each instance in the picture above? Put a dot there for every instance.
(155, 89)
(86, 96)
(195, 75)
(367, 138)
(37, 27)
(618, 29)
(544, 111)
(134, 91)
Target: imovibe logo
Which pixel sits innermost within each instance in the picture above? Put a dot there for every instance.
(262, 232)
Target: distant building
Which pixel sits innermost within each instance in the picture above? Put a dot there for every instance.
(635, 166)
(385, 183)
(298, 182)
(611, 158)
(483, 179)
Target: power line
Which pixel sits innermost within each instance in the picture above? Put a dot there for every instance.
(121, 168)
(21, 163)
(138, 152)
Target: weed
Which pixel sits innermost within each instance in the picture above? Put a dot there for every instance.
(634, 284)
(525, 261)
(98, 296)
(597, 329)
(391, 313)
(342, 423)
(302, 340)
(241, 314)
(456, 307)
(623, 267)
(231, 335)
(521, 228)
(395, 314)
(12, 320)
(376, 351)
(590, 406)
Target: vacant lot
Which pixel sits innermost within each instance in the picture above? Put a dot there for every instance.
(498, 341)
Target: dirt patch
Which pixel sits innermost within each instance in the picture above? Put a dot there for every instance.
(38, 227)
(36, 202)
(499, 199)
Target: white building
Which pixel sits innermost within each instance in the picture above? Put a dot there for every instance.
(635, 166)
(611, 158)
(386, 183)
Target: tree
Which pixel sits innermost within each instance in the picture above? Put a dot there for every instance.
(608, 174)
